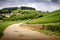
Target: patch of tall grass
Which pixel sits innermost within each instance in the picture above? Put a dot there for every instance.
(54, 28)
(51, 29)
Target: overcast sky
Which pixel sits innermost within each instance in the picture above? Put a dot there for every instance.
(44, 5)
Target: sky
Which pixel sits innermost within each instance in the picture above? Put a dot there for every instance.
(43, 5)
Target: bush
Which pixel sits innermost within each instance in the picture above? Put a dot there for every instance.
(1, 18)
(1, 34)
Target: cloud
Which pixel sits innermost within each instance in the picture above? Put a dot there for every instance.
(2, 0)
(54, 1)
(43, 5)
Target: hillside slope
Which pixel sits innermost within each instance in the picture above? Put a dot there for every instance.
(51, 17)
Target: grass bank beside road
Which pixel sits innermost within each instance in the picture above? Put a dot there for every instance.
(5, 24)
(51, 29)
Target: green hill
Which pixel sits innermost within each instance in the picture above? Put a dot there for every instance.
(11, 9)
(51, 17)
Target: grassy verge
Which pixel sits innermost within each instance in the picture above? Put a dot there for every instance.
(50, 33)
(5, 24)
(51, 29)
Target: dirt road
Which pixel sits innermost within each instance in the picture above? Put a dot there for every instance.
(16, 32)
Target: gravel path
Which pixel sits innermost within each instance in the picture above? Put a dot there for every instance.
(16, 32)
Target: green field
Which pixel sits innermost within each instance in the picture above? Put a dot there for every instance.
(52, 17)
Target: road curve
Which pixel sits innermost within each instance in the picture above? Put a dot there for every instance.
(16, 32)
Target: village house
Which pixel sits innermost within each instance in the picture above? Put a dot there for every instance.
(6, 14)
